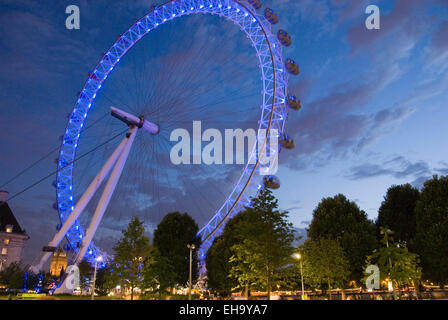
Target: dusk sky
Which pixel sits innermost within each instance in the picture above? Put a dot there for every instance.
(374, 103)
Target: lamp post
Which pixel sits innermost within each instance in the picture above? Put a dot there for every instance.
(98, 259)
(298, 256)
(191, 247)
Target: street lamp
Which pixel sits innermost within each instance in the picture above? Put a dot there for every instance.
(298, 256)
(98, 259)
(191, 247)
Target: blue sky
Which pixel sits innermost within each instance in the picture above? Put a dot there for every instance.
(374, 101)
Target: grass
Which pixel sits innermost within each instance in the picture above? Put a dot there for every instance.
(88, 297)
(67, 297)
(59, 297)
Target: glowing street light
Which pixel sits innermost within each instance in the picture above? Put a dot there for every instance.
(98, 259)
(298, 256)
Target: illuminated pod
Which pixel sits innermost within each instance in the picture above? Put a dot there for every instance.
(284, 38)
(287, 142)
(292, 67)
(271, 182)
(293, 102)
(270, 15)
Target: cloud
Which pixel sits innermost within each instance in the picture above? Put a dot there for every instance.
(335, 123)
(442, 170)
(381, 124)
(438, 49)
(400, 20)
(293, 208)
(331, 127)
(300, 233)
(40, 225)
(419, 182)
(399, 168)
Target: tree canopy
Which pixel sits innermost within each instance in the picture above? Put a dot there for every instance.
(431, 239)
(171, 238)
(397, 212)
(85, 272)
(218, 256)
(12, 276)
(130, 253)
(266, 244)
(325, 264)
(340, 219)
(395, 262)
(106, 280)
(218, 266)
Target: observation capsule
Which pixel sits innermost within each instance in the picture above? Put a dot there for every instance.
(270, 15)
(284, 38)
(287, 142)
(293, 102)
(271, 182)
(292, 67)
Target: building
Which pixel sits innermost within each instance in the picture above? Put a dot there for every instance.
(12, 236)
(58, 262)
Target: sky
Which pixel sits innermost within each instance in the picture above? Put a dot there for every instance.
(374, 104)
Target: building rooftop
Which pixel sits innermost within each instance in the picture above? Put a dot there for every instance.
(7, 219)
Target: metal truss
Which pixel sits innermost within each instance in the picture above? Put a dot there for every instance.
(274, 111)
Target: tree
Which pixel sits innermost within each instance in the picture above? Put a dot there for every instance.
(395, 262)
(12, 276)
(171, 238)
(339, 219)
(106, 280)
(15, 277)
(218, 267)
(289, 277)
(431, 239)
(218, 257)
(85, 272)
(40, 281)
(130, 253)
(325, 264)
(397, 212)
(244, 268)
(266, 244)
(160, 274)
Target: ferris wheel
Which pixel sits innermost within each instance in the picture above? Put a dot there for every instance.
(148, 125)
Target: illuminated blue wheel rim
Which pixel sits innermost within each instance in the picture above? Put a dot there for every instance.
(274, 112)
